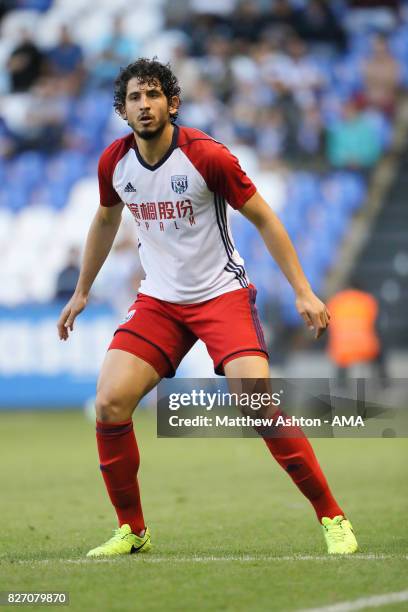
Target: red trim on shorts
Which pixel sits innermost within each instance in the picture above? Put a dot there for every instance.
(235, 355)
(146, 350)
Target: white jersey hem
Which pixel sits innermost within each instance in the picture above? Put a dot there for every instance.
(208, 297)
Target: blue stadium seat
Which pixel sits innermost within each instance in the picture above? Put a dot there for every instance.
(28, 169)
(14, 197)
(65, 168)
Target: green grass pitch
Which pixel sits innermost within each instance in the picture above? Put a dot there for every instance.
(230, 531)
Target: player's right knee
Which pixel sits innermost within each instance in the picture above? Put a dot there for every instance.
(111, 409)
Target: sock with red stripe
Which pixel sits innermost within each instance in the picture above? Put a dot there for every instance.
(119, 463)
(293, 451)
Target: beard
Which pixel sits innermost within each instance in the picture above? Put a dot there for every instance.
(148, 133)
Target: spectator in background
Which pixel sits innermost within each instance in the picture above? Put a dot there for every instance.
(35, 120)
(310, 131)
(291, 70)
(353, 141)
(317, 25)
(279, 17)
(68, 277)
(272, 134)
(381, 75)
(200, 28)
(216, 66)
(65, 62)
(186, 68)
(246, 21)
(46, 116)
(25, 64)
(243, 117)
(353, 338)
(116, 49)
(202, 108)
(303, 77)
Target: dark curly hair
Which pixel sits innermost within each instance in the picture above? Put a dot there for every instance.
(146, 71)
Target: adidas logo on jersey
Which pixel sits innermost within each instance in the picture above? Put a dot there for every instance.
(129, 188)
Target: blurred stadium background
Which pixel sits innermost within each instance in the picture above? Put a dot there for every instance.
(310, 95)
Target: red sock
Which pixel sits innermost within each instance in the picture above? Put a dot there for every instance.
(296, 456)
(119, 463)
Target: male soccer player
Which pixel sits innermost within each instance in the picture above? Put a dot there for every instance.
(177, 181)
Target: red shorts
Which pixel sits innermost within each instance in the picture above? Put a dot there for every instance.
(162, 333)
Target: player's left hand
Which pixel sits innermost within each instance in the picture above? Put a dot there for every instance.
(314, 313)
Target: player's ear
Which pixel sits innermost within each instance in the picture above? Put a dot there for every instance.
(174, 105)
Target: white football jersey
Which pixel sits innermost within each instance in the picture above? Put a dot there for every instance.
(180, 211)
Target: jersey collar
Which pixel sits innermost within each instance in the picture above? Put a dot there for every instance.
(165, 157)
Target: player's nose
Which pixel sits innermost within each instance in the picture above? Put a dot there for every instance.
(143, 102)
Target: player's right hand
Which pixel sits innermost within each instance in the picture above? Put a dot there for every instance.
(68, 315)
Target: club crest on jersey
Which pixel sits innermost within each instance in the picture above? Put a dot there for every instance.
(179, 183)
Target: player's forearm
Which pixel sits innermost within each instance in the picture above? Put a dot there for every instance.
(282, 250)
(98, 245)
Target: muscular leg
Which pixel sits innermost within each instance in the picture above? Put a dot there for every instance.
(290, 447)
(123, 381)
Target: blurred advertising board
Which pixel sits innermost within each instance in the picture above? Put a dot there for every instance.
(38, 370)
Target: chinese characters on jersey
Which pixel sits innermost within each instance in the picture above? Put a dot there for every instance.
(162, 211)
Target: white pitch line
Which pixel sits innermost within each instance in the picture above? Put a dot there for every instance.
(363, 603)
(209, 558)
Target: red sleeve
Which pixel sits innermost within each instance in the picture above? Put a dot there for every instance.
(220, 169)
(226, 177)
(107, 162)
